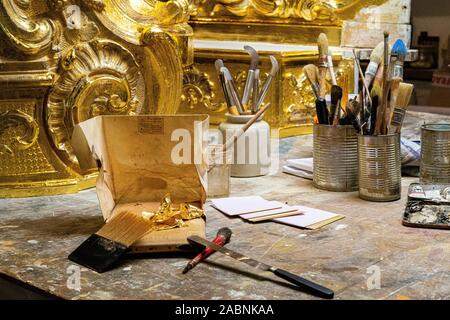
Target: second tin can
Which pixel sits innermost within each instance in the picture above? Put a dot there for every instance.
(435, 159)
(335, 158)
(379, 167)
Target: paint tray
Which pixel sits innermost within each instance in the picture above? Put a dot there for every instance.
(428, 206)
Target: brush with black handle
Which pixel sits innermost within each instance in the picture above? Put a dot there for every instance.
(305, 284)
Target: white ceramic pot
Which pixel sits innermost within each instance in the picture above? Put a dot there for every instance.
(251, 156)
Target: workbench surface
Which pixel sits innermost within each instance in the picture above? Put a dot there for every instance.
(37, 235)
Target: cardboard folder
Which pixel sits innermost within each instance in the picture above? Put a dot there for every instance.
(140, 160)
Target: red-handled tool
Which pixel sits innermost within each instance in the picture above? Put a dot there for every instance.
(223, 237)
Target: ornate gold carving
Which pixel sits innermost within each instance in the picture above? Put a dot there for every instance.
(19, 130)
(102, 78)
(110, 57)
(300, 106)
(198, 91)
(29, 36)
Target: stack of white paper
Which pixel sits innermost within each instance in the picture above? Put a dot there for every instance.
(257, 209)
(300, 167)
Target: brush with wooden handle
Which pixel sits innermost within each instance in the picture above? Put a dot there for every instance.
(335, 107)
(376, 59)
(405, 92)
(381, 125)
(322, 43)
(312, 74)
(398, 55)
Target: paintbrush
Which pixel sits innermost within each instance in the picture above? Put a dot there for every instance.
(272, 75)
(322, 111)
(219, 64)
(331, 67)
(250, 76)
(404, 97)
(345, 90)
(351, 114)
(229, 82)
(226, 91)
(240, 132)
(312, 74)
(398, 55)
(365, 86)
(322, 43)
(381, 125)
(336, 96)
(376, 58)
(255, 106)
(105, 247)
(307, 285)
(376, 97)
(222, 238)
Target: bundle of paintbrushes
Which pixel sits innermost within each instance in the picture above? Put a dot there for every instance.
(381, 104)
(252, 97)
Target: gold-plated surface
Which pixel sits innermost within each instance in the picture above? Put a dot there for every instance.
(282, 21)
(62, 62)
(292, 101)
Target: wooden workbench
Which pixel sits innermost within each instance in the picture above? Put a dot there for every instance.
(37, 235)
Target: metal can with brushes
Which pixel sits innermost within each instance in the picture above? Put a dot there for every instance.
(379, 165)
(435, 154)
(335, 158)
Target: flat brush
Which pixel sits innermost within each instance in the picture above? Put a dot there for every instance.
(322, 111)
(398, 55)
(104, 248)
(312, 74)
(404, 97)
(222, 238)
(376, 98)
(336, 96)
(307, 285)
(322, 43)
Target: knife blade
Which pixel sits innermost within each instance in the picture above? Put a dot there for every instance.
(305, 284)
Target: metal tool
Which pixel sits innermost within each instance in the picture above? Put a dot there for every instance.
(305, 284)
(272, 74)
(250, 74)
(219, 64)
(255, 105)
(232, 90)
(223, 237)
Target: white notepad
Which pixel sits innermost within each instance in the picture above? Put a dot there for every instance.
(242, 205)
(310, 219)
(284, 209)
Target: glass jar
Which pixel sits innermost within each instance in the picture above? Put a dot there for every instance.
(218, 171)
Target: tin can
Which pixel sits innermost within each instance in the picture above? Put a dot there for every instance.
(335, 158)
(379, 167)
(435, 154)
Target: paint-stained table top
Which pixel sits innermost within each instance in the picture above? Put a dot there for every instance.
(37, 235)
